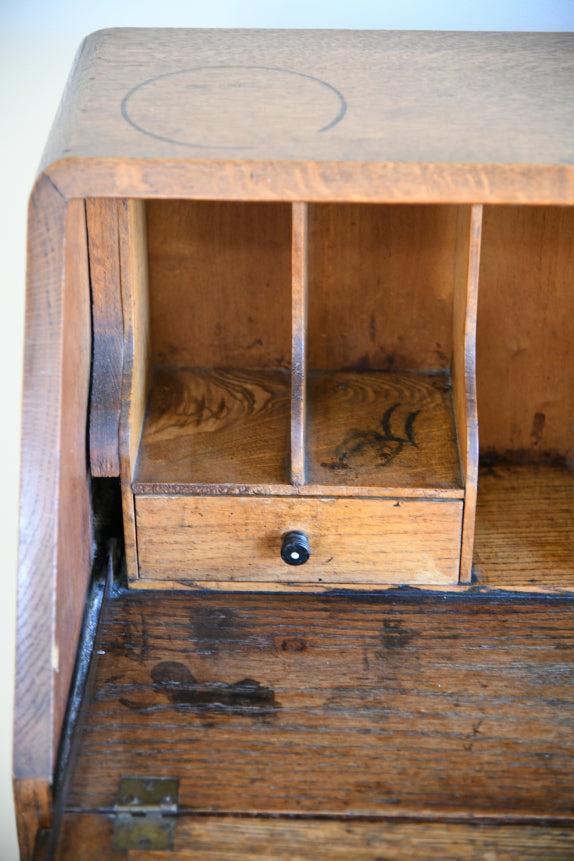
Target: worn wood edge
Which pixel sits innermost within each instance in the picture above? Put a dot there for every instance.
(464, 379)
(55, 528)
(39, 487)
(33, 803)
(74, 554)
(142, 488)
(299, 305)
(368, 182)
(319, 588)
(260, 586)
(136, 374)
(284, 839)
(107, 327)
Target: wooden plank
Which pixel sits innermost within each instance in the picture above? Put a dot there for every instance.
(360, 182)
(382, 428)
(135, 383)
(320, 96)
(74, 539)
(215, 427)
(216, 838)
(33, 803)
(381, 287)
(394, 705)
(410, 541)
(55, 528)
(107, 326)
(464, 370)
(524, 527)
(299, 303)
(525, 339)
(220, 282)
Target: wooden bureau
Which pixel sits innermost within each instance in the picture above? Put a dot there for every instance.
(299, 383)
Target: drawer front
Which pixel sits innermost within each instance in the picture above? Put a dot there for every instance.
(386, 541)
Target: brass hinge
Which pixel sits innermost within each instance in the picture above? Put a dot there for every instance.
(146, 810)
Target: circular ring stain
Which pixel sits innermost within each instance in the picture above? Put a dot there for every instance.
(230, 107)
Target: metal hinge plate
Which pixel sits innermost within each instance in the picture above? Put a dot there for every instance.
(146, 811)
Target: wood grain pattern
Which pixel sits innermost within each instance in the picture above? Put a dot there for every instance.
(402, 91)
(525, 338)
(55, 529)
(389, 429)
(107, 327)
(303, 181)
(217, 838)
(368, 540)
(391, 705)
(220, 283)
(135, 382)
(464, 370)
(74, 540)
(381, 286)
(299, 314)
(215, 428)
(33, 803)
(524, 528)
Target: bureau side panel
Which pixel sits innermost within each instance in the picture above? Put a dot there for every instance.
(352, 540)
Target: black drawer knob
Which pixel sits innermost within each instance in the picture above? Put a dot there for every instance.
(295, 549)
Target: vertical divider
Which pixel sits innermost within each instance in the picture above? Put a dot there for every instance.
(464, 370)
(135, 305)
(299, 301)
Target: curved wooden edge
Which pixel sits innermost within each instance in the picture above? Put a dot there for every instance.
(464, 371)
(368, 182)
(107, 364)
(55, 521)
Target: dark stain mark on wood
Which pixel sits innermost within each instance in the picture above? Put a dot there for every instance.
(537, 427)
(175, 681)
(182, 688)
(293, 644)
(383, 445)
(394, 636)
(134, 641)
(215, 628)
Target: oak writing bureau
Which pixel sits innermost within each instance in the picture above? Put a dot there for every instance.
(296, 566)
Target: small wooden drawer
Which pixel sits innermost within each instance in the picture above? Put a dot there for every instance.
(367, 541)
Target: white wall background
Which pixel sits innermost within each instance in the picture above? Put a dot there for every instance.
(38, 40)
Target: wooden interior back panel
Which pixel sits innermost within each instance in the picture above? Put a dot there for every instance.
(220, 284)
(389, 705)
(525, 338)
(381, 286)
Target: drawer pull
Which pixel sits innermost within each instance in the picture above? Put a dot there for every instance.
(295, 549)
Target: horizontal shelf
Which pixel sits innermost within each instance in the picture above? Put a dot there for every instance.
(215, 427)
(382, 428)
(369, 434)
(524, 536)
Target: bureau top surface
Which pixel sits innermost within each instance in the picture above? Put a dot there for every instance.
(320, 96)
